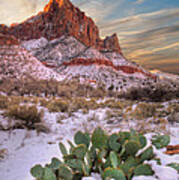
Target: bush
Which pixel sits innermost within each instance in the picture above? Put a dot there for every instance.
(112, 156)
(144, 110)
(58, 105)
(28, 114)
(3, 102)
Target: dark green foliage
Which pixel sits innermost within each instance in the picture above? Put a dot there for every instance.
(160, 141)
(113, 142)
(114, 159)
(174, 165)
(112, 156)
(99, 138)
(130, 163)
(116, 174)
(63, 149)
(48, 174)
(132, 147)
(55, 164)
(148, 154)
(82, 138)
(75, 164)
(65, 172)
(79, 151)
(143, 141)
(143, 169)
(37, 171)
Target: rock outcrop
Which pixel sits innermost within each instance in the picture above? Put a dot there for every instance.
(107, 63)
(8, 40)
(62, 17)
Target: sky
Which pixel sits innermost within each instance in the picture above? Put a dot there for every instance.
(148, 30)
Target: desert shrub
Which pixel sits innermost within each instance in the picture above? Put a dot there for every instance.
(113, 114)
(28, 114)
(3, 102)
(58, 105)
(15, 100)
(82, 103)
(113, 156)
(144, 110)
(112, 103)
(44, 102)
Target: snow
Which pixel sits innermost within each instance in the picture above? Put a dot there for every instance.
(164, 172)
(35, 44)
(27, 148)
(19, 63)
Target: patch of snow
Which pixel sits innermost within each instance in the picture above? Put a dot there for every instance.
(35, 44)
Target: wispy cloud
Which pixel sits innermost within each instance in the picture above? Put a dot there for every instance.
(139, 1)
(18, 10)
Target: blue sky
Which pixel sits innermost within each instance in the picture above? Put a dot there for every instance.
(148, 30)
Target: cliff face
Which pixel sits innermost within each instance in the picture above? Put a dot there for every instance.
(62, 17)
(8, 40)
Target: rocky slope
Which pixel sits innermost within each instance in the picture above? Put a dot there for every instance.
(18, 63)
(62, 17)
(71, 58)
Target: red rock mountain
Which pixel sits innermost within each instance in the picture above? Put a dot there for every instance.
(62, 17)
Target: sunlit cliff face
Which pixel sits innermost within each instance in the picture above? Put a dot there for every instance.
(60, 3)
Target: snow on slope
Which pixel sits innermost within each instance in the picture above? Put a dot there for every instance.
(27, 148)
(56, 51)
(66, 48)
(16, 62)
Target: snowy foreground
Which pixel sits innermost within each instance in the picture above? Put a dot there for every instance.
(23, 149)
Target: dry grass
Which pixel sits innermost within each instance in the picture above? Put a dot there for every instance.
(58, 105)
(28, 114)
(3, 102)
(144, 110)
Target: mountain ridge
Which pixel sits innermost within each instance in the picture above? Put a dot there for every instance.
(62, 17)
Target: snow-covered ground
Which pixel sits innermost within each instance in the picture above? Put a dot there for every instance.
(23, 149)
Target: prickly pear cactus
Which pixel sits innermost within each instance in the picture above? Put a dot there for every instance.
(114, 159)
(80, 151)
(160, 141)
(112, 156)
(143, 169)
(99, 139)
(148, 154)
(37, 171)
(55, 164)
(48, 174)
(82, 138)
(63, 149)
(65, 172)
(132, 147)
(114, 142)
(116, 174)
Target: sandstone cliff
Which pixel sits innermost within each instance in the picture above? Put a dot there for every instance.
(62, 17)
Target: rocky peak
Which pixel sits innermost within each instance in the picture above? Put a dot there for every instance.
(53, 5)
(61, 17)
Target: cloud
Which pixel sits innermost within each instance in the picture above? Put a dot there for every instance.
(139, 1)
(99, 10)
(19, 10)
